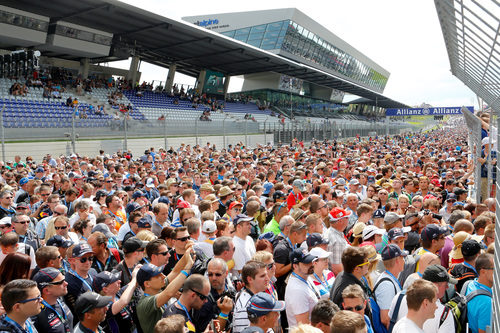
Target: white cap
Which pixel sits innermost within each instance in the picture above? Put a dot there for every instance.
(370, 230)
(209, 227)
(150, 182)
(6, 221)
(320, 253)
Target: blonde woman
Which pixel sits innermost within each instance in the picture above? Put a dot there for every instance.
(373, 258)
(146, 235)
(60, 226)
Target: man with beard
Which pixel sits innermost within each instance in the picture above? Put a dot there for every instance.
(300, 295)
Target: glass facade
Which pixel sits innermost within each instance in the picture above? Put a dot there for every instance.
(87, 36)
(23, 21)
(297, 40)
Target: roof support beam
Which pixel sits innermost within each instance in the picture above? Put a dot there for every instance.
(209, 39)
(240, 50)
(149, 27)
(54, 20)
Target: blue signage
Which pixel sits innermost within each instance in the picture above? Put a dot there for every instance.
(206, 23)
(426, 111)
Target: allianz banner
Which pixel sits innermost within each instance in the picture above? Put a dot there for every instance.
(426, 111)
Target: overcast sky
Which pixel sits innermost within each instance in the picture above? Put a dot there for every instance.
(402, 36)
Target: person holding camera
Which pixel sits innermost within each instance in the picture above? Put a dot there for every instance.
(220, 302)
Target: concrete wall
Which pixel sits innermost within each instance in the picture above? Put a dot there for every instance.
(137, 146)
(264, 80)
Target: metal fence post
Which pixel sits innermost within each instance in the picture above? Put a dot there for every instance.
(73, 134)
(165, 140)
(125, 125)
(246, 132)
(3, 133)
(196, 129)
(224, 132)
(265, 132)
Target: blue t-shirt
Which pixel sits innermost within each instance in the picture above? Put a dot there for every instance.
(479, 308)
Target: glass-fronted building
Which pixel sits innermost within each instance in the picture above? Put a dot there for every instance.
(290, 33)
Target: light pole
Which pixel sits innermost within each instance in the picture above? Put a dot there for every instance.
(265, 133)
(73, 134)
(165, 131)
(125, 141)
(224, 131)
(3, 133)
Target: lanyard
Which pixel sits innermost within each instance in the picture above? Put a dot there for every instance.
(158, 223)
(287, 239)
(105, 265)
(325, 285)
(394, 278)
(303, 280)
(118, 218)
(27, 323)
(185, 310)
(64, 317)
(75, 274)
(471, 267)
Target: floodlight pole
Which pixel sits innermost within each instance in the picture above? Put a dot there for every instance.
(196, 129)
(265, 134)
(246, 132)
(125, 141)
(224, 131)
(165, 140)
(73, 134)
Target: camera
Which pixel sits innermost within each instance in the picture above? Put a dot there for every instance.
(427, 212)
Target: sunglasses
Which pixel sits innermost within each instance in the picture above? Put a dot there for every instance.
(84, 260)
(183, 239)
(200, 295)
(357, 308)
(61, 228)
(271, 265)
(58, 283)
(162, 253)
(215, 274)
(38, 299)
(363, 264)
(23, 222)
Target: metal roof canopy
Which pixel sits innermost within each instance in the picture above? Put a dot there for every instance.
(471, 32)
(163, 41)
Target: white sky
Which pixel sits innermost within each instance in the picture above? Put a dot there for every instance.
(402, 36)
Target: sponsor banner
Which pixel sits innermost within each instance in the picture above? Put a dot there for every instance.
(426, 111)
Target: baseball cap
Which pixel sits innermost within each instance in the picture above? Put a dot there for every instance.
(458, 191)
(23, 205)
(262, 303)
(470, 247)
(144, 222)
(391, 217)
(279, 195)
(437, 273)
(101, 227)
(354, 182)
(234, 204)
(40, 169)
(395, 233)
(432, 231)
(451, 196)
(147, 272)
(315, 239)
(25, 180)
(392, 251)
(104, 279)
(301, 256)
(90, 300)
(81, 249)
(338, 213)
(133, 244)
(99, 194)
(241, 218)
(267, 187)
(370, 230)
(299, 184)
(132, 207)
(379, 213)
(59, 241)
(150, 183)
(319, 253)
(6, 220)
(138, 194)
(209, 227)
(45, 276)
(207, 187)
(183, 204)
(340, 181)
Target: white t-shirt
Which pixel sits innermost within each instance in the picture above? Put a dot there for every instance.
(21, 248)
(406, 325)
(244, 251)
(430, 325)
(299, 298)
(386, 291)
(240, 315)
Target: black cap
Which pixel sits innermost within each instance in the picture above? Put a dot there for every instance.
(104, 279)
(90, 300)
(433, 231)
(470, 248)
(437, 273)
(316, 239)
(144, 222)
(148, 271)
(395, 233)
(392, 251)
(59, 241)
(133, 244)
(45, 276)
(241, 218)
(81, 249)
(301, 256)
(132, 207)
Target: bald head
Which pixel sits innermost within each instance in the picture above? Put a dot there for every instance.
(426, 260)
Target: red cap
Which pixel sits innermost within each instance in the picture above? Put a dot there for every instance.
(429, 196)
(235, 203)
(338, 213)
(183, 204)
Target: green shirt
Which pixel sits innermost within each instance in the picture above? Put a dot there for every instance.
(148, 313)
(273, 226)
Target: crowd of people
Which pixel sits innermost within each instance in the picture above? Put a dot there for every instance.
(372, 234)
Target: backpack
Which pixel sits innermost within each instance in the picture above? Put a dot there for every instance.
(410, 267)
(377, 324)
(458, 306)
